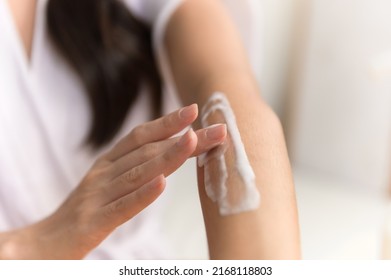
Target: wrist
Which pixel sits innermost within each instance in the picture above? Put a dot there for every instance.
(39, 241)
(7, 246)
(56, 240)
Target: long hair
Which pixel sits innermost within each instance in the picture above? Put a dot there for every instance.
(111, 50)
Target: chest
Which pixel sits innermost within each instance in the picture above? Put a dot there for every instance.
(23, 16)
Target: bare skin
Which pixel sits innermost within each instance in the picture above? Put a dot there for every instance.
(206, 55)
(23, 13)
(119, 185)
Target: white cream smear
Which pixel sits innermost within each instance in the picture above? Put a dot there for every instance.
(234, 189)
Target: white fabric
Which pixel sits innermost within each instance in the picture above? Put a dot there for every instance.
(44, 117)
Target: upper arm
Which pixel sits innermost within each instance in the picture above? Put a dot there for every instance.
(202, 42)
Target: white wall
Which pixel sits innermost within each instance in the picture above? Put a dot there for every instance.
(337, 112)
(278, 30)
(342, 122)
(323, 59)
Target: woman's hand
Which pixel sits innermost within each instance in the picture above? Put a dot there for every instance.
(119, 185)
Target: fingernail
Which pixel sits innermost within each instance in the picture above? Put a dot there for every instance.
(216, 131)
(187, 112)
(185, 139)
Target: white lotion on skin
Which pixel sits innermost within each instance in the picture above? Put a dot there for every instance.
(231, 199)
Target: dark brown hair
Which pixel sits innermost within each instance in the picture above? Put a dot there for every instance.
(111, 50)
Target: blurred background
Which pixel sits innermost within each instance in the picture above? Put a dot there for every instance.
(325, 69)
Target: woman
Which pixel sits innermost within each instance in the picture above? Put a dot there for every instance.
(84, 72)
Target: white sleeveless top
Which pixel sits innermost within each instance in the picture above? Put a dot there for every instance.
(45, 116)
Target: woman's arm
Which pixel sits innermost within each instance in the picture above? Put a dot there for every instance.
(206, 56)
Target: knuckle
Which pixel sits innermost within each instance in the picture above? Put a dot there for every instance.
(133, 175)
(115, 208)
(94, 176)
(103, 160)
(168, 156)
(149, 151)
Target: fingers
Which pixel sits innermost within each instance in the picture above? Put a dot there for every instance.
(126, 207)
(208, 138)
(165, 164)
(153, 131)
